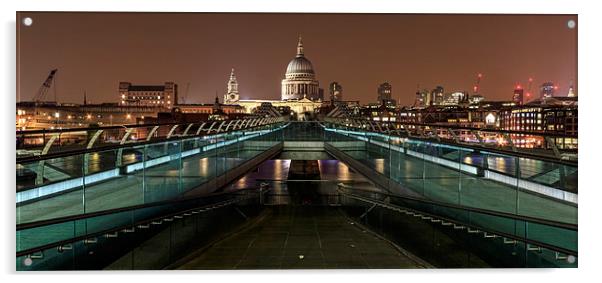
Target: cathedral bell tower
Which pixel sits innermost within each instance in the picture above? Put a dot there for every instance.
(232, 96)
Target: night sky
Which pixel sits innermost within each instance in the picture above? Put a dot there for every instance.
(94, 51)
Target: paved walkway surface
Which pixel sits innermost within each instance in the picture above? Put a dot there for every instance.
(302, 237)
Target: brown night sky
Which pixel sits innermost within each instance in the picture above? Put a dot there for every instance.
(94, 51)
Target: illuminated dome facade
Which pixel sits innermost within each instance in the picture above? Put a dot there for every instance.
(300, 79)
(299, 67)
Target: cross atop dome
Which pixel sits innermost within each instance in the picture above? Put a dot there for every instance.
(300, 47)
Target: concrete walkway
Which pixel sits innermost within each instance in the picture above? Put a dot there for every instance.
(302, 237)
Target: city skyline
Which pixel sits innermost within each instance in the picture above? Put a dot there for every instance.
(258, 141)
(359, 51)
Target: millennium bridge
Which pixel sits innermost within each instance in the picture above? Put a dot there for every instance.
(271, 193)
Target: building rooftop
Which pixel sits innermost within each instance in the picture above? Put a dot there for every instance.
(146, 88)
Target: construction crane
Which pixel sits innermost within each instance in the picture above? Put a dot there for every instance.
(41, 94)
(529, 88)
(475, 88)
(185, 93)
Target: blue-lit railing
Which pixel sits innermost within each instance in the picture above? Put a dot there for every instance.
(93, 240)
(465, 175)
(132, 173)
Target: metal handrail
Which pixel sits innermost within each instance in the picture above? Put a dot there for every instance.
(456, 127)
(535, 220)
(118, 146)
(484, 148)
(116, 127)
(503, 234)
(83, 237)
(68, 130)
(41, 223)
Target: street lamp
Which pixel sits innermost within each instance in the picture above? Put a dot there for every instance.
(57, 115)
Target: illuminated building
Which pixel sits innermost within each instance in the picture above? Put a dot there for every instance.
(422, 98)
(437, 95)
(527, 118)
(335, 91)
(232, 95)
(301, 109)
(148, 95)
(300, 92)
(455, 98)
(547, 90)
(379, 112)
(482, 115)
(384, 94)
(208, 108)
(476, 99)
(31, 115)
(571, 92)
(556, 115)
(300, 79)
(517, 97)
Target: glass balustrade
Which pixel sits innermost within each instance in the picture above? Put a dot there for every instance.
(133, 174)
(515, 241)
(172, 228)
(465, 175)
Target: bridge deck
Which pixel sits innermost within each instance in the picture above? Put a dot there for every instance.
(308, 237)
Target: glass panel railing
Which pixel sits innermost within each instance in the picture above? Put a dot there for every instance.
(467, 176)
(54, 188)
(132, 174)
(89, 243)
(521, 242)
(303, 131)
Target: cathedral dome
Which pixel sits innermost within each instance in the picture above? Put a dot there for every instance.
(300, 65)
(300, 79)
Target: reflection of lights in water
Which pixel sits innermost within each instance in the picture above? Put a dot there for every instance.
(320, 167)
(93, 164)
(241, 182)
(286, 166)
(330, 167)
(204, 166)
(343, 171)
(468, 159)
(379, 165)
(277, 169)
(531, 164)
(500, 163)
